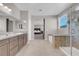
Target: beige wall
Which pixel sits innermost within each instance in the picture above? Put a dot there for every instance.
(51, 25)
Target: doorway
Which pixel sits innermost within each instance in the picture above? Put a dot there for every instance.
(39, 30)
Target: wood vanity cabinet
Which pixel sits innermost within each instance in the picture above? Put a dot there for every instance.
(13, 45)
(10, 46)
(61, 41)
(4, 47)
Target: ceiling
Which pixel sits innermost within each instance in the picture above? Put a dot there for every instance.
(41, 9)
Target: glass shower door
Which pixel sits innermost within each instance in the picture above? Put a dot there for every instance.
(70, 44)
(75, 36)
(75, 32)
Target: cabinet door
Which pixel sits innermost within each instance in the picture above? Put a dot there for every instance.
(25, 39)
(13, 46)
(57, 41)
(13, 43)
(21, 41)
(4, 47)
(4, 50)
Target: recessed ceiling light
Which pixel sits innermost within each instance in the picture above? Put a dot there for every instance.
(9, 10)
(6, 7)
(1, 4)
(24, 21)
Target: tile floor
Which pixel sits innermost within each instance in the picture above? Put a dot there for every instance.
(39, 48)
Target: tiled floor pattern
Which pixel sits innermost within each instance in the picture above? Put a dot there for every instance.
(39, 48)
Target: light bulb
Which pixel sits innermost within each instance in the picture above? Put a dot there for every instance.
(9, 10)
(1, 4)
(6, 7)
(24, 21)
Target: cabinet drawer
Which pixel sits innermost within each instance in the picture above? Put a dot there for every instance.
(13, 43)
(3, 42)
(13, 39)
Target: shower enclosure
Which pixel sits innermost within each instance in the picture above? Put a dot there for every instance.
(75, 30)
(70, 45)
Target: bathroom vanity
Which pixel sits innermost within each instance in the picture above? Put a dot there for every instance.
(60, 40)
(11, 44)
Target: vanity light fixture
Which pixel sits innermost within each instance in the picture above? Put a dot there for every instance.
(1, 4)
(24, 21)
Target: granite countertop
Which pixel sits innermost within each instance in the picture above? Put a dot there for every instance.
(8, 35)
(61, 34)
